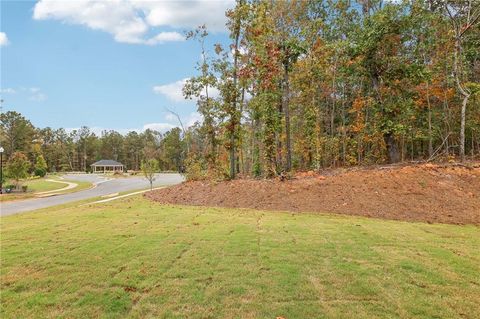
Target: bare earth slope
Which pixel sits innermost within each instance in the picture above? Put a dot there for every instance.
(430, 193)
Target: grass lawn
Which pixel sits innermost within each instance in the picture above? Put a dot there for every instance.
(137, 259)
(42, 185)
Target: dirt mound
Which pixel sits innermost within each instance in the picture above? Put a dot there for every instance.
(430, 193)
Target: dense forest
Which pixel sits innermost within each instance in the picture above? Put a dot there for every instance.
(306, 85)
(312, 84)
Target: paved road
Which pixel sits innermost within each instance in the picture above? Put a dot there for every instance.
(104, 186)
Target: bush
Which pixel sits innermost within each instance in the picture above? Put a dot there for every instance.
(24, 188)
(195, 169)
(41, 172)
(40, 163)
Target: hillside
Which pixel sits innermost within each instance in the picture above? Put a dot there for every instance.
(429, 193)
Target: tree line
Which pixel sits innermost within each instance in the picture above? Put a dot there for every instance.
(57, 150)
(309, 84)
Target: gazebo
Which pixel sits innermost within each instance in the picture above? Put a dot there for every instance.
(107, 166)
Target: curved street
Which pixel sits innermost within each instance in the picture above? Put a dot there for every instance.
(102, 186)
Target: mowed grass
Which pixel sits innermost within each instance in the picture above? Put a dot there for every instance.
(42, 185)
(137, 259)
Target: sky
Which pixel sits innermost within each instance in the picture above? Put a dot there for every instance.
(109, 64)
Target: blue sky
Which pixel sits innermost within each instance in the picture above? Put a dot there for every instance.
(105, 64)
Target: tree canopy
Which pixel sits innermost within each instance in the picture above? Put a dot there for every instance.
(311, 84)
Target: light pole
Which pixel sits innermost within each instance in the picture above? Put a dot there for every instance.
(1, 170)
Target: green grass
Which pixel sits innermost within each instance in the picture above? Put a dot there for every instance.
(137, 259)
(42, 185)
(81, 185)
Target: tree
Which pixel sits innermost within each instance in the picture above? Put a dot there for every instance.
(16, 133)
(200, 87)
(40, 166)
(235, 25)
(149, 168)
(132, 148)
(17, 167)
(111, 145)
(382, 48)
(172, 151)
(464, 16)
(266, 71)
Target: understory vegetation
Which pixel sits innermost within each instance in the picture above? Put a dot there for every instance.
(133, 258)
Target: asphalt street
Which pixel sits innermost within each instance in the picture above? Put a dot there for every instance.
(103, 186)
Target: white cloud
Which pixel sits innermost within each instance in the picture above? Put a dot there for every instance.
(36, 94)
(187, 121)
(161, 127)
(8, 91)
(98, 130)
(32, 93)
(170, 117)
(163, 37)
(3, 39)
(133, 21)
(38, 97)
(173, 91)
(193, 118)
(186, 14)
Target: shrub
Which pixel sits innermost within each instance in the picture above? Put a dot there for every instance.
(41, 172)
(195, 169)
(24, 188)
(40, 163)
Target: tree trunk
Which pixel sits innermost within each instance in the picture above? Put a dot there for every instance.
(233, 115)
(287, 119)
(462, 127)
(463, 92)
(392, 148)
(278, 139)
(430, 135)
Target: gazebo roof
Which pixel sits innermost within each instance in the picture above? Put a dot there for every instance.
(107, 163)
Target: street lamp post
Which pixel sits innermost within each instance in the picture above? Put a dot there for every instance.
(1, 170)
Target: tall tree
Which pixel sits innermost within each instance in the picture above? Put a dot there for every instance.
(464, 16)
(200, 87)
(17, 167)
(17, 133)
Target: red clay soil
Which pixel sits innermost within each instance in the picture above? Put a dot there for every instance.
(429, 193)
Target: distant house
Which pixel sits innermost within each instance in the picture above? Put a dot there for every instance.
(107, 166)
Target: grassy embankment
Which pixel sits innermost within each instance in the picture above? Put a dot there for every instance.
(135, 258)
